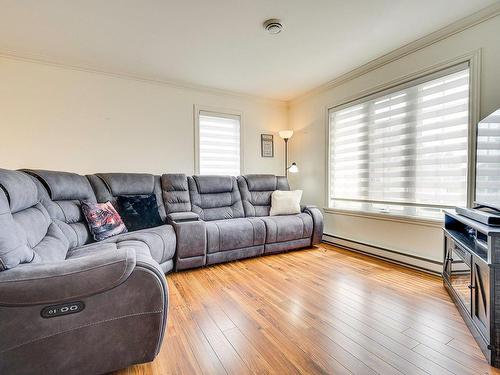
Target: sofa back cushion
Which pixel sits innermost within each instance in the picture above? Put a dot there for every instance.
(175, 191)
(61, 193)
(26, 227)
(256, 191)
(109, 186)
(215, 197)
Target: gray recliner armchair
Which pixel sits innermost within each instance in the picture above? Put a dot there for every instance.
(69, 311)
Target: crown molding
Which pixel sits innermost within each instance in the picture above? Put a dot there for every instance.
(432, 38)
(39, 59)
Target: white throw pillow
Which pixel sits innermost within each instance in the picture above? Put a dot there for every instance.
(285, 202)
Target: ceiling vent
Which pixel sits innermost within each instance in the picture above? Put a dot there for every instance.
(273, 26)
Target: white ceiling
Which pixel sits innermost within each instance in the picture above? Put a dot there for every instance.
(221, 43)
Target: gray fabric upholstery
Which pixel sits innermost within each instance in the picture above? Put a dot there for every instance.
(180, 217)
(159, 241)
(279, 247)
(39, 239)
(191, 240)
(288, 227)
(99, 247)
(64, 186)
(20, 190)
(228, 256)
(123, 322)
(14, 247)
(317, 218)
(122, 288)
(167, 266)
(63, 281)
(61, 194)
(108, 186)
(256, 190)
(120, 280)
(190, 263)
(175, 193)
(223, 235)
(215, 197)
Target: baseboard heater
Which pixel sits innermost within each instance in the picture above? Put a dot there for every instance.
(408, 260)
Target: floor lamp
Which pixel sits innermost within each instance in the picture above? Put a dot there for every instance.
(286, 135)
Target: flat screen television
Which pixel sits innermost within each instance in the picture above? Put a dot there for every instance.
(488, 162)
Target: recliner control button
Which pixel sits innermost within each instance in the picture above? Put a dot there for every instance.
(63, 309)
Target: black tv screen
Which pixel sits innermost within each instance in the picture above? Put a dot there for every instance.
(488, 161)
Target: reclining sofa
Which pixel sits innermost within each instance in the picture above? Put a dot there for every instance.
(70, 305)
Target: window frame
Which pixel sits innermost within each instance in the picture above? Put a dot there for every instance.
(473, 59)
(216, 111)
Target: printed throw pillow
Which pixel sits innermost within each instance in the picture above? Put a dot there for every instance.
(139, 211)
(103, 220)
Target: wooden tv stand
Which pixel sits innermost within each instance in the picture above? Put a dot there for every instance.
(471, 274)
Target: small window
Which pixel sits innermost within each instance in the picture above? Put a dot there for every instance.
(219, 144)
(403, 151)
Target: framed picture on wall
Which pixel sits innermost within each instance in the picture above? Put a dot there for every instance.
(267, 145)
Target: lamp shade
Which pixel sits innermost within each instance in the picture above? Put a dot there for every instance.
(286, 134)
(293, 168)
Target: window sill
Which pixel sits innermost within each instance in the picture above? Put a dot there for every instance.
(387, 217)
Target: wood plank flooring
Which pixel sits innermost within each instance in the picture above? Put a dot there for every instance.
(317, 311)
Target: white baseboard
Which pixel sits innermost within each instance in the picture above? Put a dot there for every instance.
(393, 256)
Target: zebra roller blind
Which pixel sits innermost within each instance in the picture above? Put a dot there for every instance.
(488, 161)
(219, 144)
(404, 150)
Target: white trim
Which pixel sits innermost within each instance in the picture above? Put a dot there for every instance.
(222, 112)
(389, 255)
(155, 80)
(473, 59)
(454, 28)
(386, 217)
(443, 33)
(425, 75)
(474, 118)
(432, 38)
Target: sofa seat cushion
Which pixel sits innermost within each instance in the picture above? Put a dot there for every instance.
(91, 249)
(159, 242)
(287, 227)
(230, 234)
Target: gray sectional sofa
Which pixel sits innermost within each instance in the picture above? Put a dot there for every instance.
(69, 305)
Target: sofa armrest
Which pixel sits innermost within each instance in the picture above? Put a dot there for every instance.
(191, 238)
(34, 284)
(305, 207)
(180, 217)
(317, 217)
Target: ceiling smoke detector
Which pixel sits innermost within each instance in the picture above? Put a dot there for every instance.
(273, 26)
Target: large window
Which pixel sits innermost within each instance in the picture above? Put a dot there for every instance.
(405, 150)
(218, 143)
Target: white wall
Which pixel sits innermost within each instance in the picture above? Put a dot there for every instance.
(308, 147)
(65, 119)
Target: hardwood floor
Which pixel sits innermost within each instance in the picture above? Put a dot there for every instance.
(317, 311)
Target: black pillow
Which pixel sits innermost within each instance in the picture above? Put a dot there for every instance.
(138, 211)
